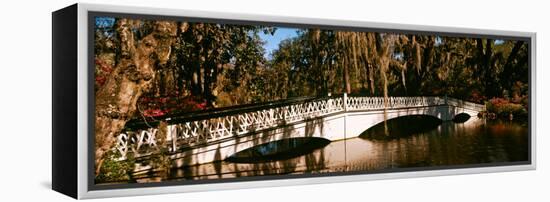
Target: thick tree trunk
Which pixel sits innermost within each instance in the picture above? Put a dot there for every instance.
(508, 66)
(480, 55)
(116, 100)
(206, 92)
(490, 87)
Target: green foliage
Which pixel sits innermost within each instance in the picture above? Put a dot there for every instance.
(113, 170)
(468, 68)
(503, 108)
(223, 65)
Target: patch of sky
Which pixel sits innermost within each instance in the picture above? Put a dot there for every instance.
(105, 25)
(398, 56)
(438, 40)
(271, 42)
(104, 22)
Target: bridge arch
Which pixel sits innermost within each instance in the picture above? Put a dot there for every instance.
(402, 126)
(462, 117)
(359, 121)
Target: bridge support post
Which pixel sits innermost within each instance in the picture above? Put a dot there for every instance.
(172, 134)
(345, 100)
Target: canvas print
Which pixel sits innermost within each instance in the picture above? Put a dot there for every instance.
(201, 100)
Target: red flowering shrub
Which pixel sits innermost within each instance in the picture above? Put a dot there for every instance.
(102, 71)
(503, 107)
(161, 106)
(154, 112)
(100, 80)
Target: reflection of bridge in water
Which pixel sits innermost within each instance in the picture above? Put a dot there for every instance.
(217, 134)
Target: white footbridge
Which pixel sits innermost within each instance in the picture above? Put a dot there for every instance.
(218, 134)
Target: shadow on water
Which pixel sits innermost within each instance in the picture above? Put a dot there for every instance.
(401, 127)
(279, 150)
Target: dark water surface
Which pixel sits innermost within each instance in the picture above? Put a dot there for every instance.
(449, 143)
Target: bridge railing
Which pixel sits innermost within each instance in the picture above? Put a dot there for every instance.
(465, 104)
(377, 103)
(200, 129)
